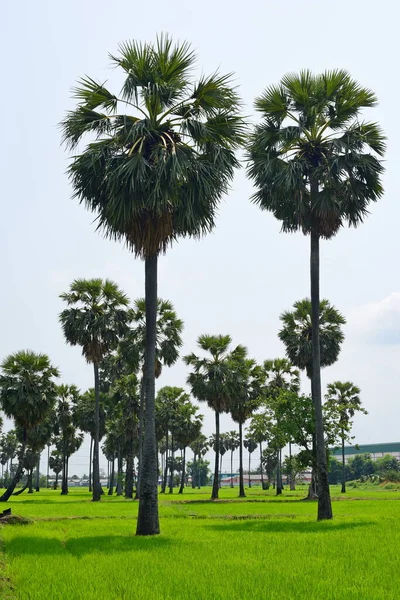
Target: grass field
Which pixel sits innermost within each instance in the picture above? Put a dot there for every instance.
(260, 548)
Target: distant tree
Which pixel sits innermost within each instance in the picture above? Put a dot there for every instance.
(232, 442)
(56, 465)
(27, 394)
(211, 381)
(342, 402)
(260, 430)
(96, 318)
(187, 427)
(199, 448)
(250, 446)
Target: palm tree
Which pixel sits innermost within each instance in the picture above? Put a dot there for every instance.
(199, 448)
(250, 446)
(342, 402)
(27, 395)
(259, 430)
(154, 174)
(249, 379)
(316, 167)
(297, 336)
(168, 342)
(56, 464)
(96, 318)
(211, 382)
(187, 427)
(232, 442)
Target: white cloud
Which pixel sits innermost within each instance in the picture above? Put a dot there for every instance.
(378, 322)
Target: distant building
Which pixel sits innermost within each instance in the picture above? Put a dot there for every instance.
(375, 450)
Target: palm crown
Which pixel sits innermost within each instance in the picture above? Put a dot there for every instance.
(157, 171)
(312, 134)
(296, 334)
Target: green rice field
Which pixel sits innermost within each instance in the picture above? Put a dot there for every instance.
(259, 548)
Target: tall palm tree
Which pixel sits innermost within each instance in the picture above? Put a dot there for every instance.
(211, 381)
(249, 379)
(161, 159)
(316, 167)
(342, 402)
(96, 318)
(27, 395)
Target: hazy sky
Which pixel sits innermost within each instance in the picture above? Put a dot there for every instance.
(239, 279)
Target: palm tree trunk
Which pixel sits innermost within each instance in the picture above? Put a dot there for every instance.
(165, 475)
(183, 472)
(324, 499)
(292, 481)
(119, 474)
(96, 466)
(171, 467)
(220, 471)
(343, 468)
(18, 473)
(30, 481)
(129, 472)
(194, 470)
(198, 471)
(249, 469)
(48, 466)
(56, 481)
(111, 486)
(261, 468)
(140, 434)
(148, 523)
(214, 494)
(38, 474)
(232, 468)
(278, 476)
(241, 478)
(90, 463)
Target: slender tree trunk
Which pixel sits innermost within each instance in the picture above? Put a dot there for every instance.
(96, 465)
(343, 468)
(90, 463)
(194, 470)
(249, 469)
(55, 485)
(30, 481)
(140, 434)
(261, 468)
(129, 472)
(214, 494)
(198, 471)
(241, 478)
(232, 468)
(64, 486)
(278, 476)
(148, 523)
(324, 499)
(111, 486)
(183, 471)
(220, 470)
(38, 474)
(48, 466)
(165, 475)
(119, 474)
(171, 466)
(291, 479)
(18, 473)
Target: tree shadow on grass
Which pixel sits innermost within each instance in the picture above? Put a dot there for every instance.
(80, 546)
(269, 526)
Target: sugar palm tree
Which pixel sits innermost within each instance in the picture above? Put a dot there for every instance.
(211, 382)
(199, 448)
(27, 395)
(316, 166)
(245, 398)
(187, 427)
(259, 431)
(232, 442)
(250, 446)
(161, 159)
(96, 318)
(342, 402)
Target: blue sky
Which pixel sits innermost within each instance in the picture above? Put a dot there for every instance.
(239, 279)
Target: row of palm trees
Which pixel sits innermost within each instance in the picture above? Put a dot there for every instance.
(162, 153)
